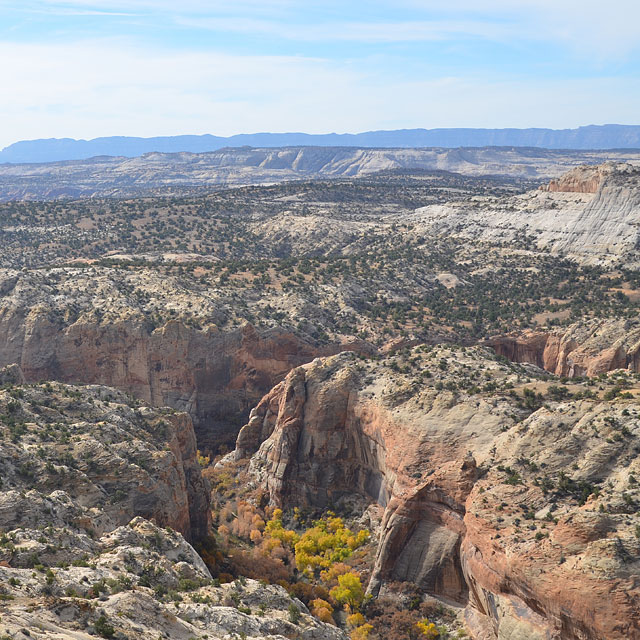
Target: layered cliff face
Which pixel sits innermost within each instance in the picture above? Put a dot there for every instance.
(589, 215)
(215, 376)
(584, 349)
(90, 328)
(608, 223)
(524, 518)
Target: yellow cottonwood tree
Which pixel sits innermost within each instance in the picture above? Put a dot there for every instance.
(349, 591)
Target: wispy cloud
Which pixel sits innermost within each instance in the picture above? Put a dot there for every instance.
(585, 27)
(590, 27)
(108, 87)
(185, 7)
(369, 32)
(69, 11)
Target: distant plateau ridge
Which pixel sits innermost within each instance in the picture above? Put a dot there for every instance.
(610, 136)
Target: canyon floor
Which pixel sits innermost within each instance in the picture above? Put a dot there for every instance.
(382, 403)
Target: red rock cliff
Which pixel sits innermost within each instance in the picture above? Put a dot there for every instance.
(583, 349)
(452, 525)
(215, 376)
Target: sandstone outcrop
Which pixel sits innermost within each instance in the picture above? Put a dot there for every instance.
(584, 349)
(590, 215)
(584, 179)
(524, 518)
(98, 497)
(89, 328)
(101, 459)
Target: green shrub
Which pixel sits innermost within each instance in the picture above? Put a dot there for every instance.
(103, 628)
(294, 614)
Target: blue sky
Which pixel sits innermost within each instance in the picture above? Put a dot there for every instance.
(86, 68)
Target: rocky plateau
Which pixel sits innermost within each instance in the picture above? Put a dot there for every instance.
(449, 360)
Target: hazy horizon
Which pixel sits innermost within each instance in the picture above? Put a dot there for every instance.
(321, 133)
(94, 68)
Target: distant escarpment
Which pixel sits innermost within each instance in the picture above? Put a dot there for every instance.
(583, 349)
(183, 172)
(521, 515)
(610, 136)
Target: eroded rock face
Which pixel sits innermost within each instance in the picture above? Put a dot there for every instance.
(214, 374)
(477, 507)
(584, 179)
(590, 215)
(583, 349)
(577, 576)
(101, 460)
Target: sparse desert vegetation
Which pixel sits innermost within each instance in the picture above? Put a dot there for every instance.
(398, 405)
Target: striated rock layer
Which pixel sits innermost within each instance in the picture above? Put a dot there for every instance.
(167, 343)
(583, 349)
(589, 214)
(161, 172)
(518, 517)
(215, 375)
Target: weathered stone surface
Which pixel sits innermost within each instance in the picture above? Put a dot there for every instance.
(583, 349)
(590, 215)
(125, 576)
(584, 179)
(461, 477)
(91, 458)
(11, 374)
(98, 496)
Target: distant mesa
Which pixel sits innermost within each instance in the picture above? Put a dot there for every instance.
(157, 172)
(610, 136)
(584, 179)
